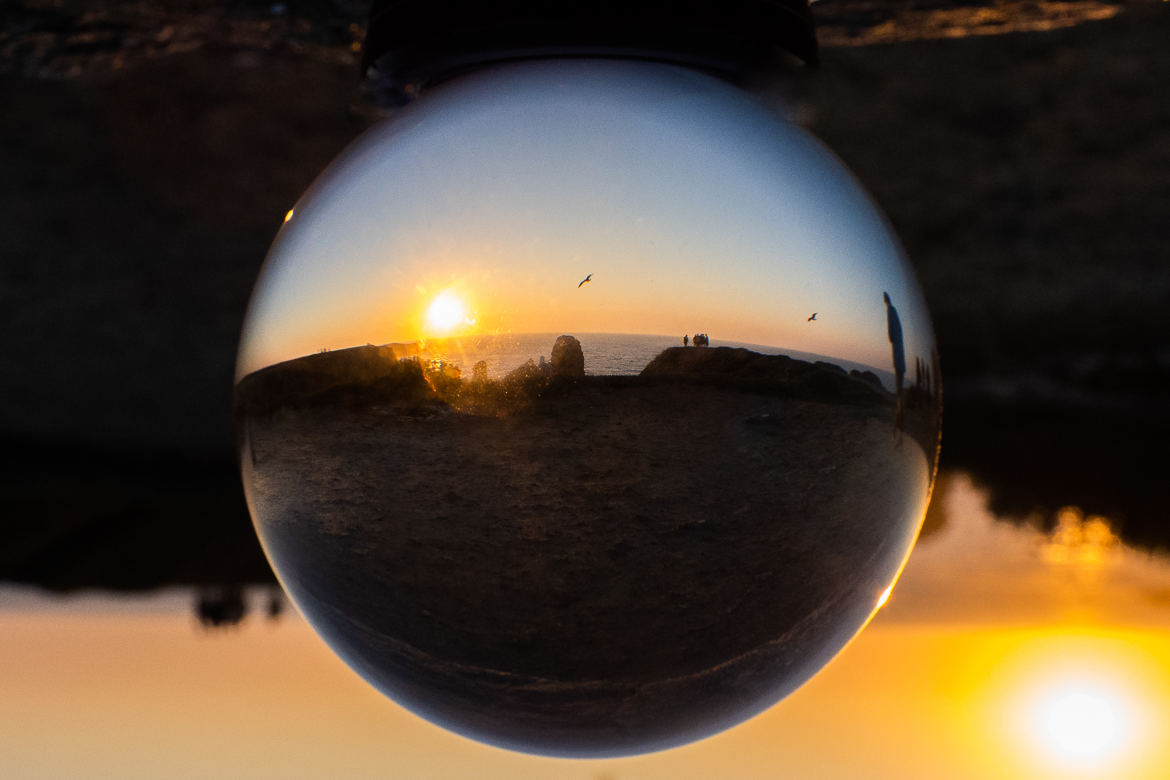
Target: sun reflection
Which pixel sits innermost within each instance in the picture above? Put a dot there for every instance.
(1083, 702)
(1081, 721)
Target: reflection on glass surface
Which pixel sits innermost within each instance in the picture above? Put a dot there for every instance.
(495, 487)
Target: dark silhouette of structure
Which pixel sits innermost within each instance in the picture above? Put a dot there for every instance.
(924, 384)
(275, 603)
(220, 606)
(894, 333)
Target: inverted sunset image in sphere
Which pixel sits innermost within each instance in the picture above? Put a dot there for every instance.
(587, 408)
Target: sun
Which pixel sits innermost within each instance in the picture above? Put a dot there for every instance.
(1081, 722)
(446, 313)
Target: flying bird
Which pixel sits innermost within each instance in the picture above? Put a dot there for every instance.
(586, 279)
(813, 317)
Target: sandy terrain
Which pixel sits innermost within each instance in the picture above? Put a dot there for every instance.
(584, 566)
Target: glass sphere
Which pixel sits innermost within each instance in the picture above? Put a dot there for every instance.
(587, 408)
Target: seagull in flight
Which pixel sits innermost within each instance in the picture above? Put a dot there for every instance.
(586, 279)
(813, 317)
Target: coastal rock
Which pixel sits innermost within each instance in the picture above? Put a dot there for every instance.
(526, 373)
(869, 377)
(567, 357)
(356, 374)
(444, 377)
(743, 368)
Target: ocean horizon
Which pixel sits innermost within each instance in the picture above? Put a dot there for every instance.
(605, 353)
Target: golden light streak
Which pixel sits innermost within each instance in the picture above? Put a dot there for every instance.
(1005, 16)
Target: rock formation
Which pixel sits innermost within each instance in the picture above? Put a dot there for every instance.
(567, 357)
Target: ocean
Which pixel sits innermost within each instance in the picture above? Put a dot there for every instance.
(605, 353)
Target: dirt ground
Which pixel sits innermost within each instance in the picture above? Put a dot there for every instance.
(585, 564)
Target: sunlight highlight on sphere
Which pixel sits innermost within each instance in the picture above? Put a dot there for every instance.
(1081, 722)
(587, 408)
(445, 313)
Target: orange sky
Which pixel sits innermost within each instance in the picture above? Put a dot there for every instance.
(695, 210)
(988, 623)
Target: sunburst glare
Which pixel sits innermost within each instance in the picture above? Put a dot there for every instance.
(446, 313)
(1081, 722)
(1083, 701)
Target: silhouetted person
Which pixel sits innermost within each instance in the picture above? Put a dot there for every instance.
(686, 340)
(275, 603)
(219, 606)
(894, 331)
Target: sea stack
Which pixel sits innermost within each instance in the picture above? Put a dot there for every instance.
(567, 357)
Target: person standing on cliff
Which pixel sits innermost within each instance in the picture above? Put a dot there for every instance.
(894, 332)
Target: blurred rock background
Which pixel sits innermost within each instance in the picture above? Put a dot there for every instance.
(148, 152)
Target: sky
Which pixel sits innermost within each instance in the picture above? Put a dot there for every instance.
(1003, 652)
(694, 209)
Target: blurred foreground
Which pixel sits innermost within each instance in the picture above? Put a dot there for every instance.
(990, 625)
(150, 153)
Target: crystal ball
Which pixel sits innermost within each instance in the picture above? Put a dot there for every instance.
(587, 408)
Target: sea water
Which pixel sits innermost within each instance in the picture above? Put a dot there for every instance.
(605, 353)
